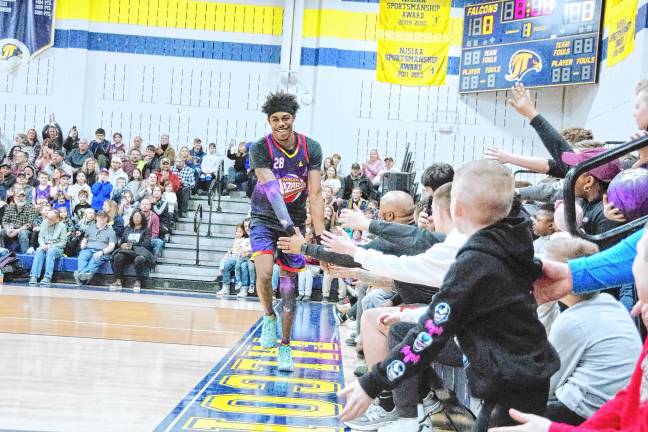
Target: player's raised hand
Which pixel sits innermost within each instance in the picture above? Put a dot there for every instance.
(354, 219)
(292, 244)
(357, 401)
(555, 282)
(521, 101)
(340, 243)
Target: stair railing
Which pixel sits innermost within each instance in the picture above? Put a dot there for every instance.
(198, 215)
(215, 186)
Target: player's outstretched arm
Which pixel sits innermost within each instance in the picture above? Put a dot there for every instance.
(269, 185)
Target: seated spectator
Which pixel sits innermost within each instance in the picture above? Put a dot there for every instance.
(40, 215)
(209, 166)
(100, 147)
(137, 185)
(184, 156)
(596, 361)
(126, 206)
(354, 180)
(91, 171)
(329, 198)
(243, 265)
(187, 183)
(134, 248)
(58, 163)
(79, 185)
(330, 218)
(97, 245)
(76, 157)
(115, 171)
(117, 145)
(328, 162)
(151, 182)
(331, 180)
(74, 239)
(29, 173)
(151, 161)
(543, 228)
(65, 218)
(166, 150)
(43, 190)
(32, 141)
(237, 175)
(197, 154)
(21, 184)
(157, 244)
(7, 179)
(51, 243)
(60, 184)
(101, 190)
(165, 175)
(81, 205)
(137, 143)
(61, 201)
(17, 222)
(19, 163)
(628, 410)
(337, 162)
(45, 155)
(172, 200)
(228, 263)
(119, 188)
(388, 168)
(130, 162)
(72, 141)
(161, 208)
(115, 220)
(373, 166)
(53, 131)
(356, 200)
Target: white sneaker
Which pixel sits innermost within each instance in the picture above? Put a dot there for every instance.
(242, 292)
(431, 404)
(401, 425)
(374, 418)
(30, 251)
(223, 291)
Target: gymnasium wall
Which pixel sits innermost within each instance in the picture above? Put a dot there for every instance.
(201, 68)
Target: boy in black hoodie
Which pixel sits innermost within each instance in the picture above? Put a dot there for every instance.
(486, 302)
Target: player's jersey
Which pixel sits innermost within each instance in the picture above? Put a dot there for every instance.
(291, 170)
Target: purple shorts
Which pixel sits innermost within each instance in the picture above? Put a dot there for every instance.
(264, 241)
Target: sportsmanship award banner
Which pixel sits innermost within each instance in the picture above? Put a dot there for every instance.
(620, 20)
(431, 16)
(412, 63)
(26, 29)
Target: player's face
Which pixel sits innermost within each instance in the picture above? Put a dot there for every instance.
(641, 110)
(282, 125)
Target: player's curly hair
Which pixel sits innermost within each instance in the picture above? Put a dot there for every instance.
(280, 102)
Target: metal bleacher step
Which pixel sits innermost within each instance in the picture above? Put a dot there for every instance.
(177, 277)
(189, 238)
(183, 268)
(188, 263)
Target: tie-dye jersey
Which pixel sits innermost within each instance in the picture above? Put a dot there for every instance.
(291, 170)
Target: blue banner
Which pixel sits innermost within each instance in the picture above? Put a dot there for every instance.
(26, 29)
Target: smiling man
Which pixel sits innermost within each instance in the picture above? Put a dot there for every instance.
(287, 165)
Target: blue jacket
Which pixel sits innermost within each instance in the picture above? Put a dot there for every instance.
(100, 193)
(606, 269)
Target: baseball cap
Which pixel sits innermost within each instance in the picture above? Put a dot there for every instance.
(389, 158)
(355, 165)
(21, 173)
(104, 170)
(604, 173)
(5, 164)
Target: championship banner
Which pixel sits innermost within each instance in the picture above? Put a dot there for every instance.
(430, 16)
(620, 19)
(412, 63)
(26, 29)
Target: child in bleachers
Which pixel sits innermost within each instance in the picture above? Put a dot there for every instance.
(101, 190)
(42, 208)
(228, 263)
(486, 301)
(543, 228)
(628, 410)
(87, 218)
(82, 205)
(118, 190)
(43, 189)
(208, 166)
(64, 217)
(172, 199)
(61, 201)
(241, 270)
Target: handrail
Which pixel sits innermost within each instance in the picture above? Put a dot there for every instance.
(570, 195)
(215, 186)
(197, 223)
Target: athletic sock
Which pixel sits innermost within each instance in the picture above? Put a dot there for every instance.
(386, 401)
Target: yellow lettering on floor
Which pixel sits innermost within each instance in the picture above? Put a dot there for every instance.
(271, 405)
(299, 385)
(258, 365)
(325, 346)
(257, 351)
(201, 423)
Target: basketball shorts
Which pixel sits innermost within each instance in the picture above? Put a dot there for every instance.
(264, 241)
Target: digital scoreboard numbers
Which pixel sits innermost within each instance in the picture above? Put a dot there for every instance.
(537, 42)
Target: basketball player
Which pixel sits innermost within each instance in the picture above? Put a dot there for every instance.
(288, 168)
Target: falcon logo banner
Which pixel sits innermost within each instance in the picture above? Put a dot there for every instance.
(26, 29)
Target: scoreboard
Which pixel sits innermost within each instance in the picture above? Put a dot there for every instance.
(537, 42)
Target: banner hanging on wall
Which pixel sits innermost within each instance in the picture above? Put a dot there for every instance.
(620, 21)
(412, 63)
(26, 29)
(431, 16)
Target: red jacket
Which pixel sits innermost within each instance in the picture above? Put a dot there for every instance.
(623, 413)
(174, 179)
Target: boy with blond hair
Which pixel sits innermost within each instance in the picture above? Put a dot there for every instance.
(486, 301)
